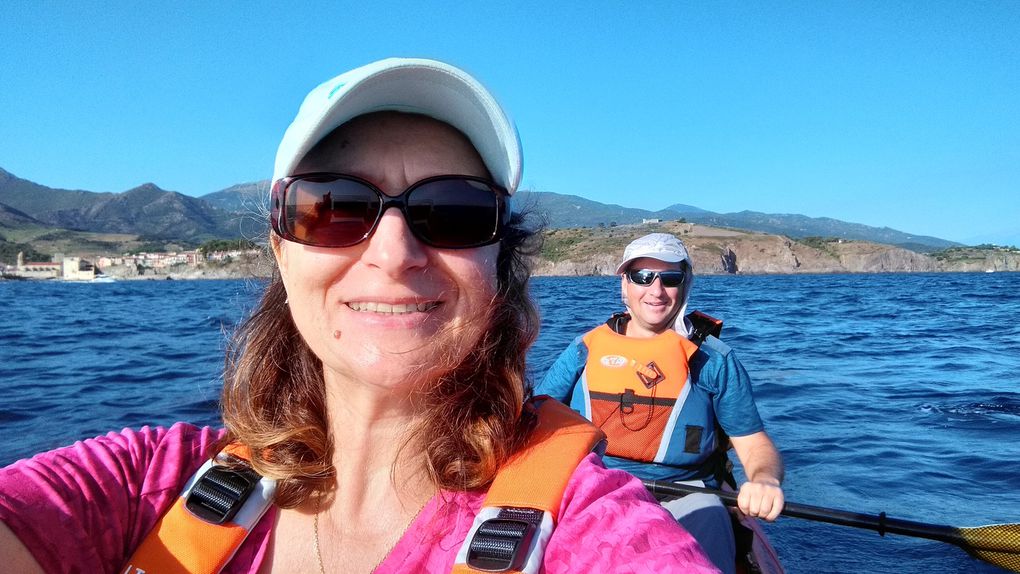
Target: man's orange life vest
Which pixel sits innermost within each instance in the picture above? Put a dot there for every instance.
(636, 388)
(220, 506)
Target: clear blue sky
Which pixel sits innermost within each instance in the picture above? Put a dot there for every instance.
(894, 114)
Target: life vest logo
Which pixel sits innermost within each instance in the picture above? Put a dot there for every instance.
(613, 361)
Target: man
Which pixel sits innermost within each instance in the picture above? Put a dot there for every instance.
(668, 403)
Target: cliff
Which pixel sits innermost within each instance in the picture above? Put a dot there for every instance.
(596, 251)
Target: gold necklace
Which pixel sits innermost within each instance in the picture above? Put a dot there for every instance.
(315, 528)
(315, 537)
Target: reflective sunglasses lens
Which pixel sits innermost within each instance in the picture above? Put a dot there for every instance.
(454, 213)
(330, 212)
(671, 278)
(641, 276)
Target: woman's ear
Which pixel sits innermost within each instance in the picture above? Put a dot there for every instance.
(279, 252)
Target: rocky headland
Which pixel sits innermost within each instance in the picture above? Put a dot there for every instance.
(596, 251)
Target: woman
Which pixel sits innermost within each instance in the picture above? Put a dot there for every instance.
(380, 382)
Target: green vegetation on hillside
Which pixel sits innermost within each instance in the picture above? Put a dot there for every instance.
(975, 253)
(558, 242)
(818, 242)
(823, 244)
(583, 242)
(150, 247)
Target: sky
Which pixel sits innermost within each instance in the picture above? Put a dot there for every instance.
(892, 114)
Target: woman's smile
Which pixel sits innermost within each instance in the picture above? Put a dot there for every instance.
(392, 308)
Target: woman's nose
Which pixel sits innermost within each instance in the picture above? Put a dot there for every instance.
(392, 247)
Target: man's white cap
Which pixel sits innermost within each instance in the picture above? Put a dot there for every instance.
(661, 246)
(409, 85)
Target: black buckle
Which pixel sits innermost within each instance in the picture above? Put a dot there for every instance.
(627, 400)
(220, 492)
(501, 544)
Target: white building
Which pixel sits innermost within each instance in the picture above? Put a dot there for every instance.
(67, 268)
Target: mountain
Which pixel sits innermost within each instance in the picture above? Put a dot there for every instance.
(566, 211)
(563, 211)
(32, 198)
(801, 226)
(146, 210)
(240, 211)
(11, 218)
(252, 197)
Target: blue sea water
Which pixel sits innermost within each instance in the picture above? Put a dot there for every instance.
(897, 393)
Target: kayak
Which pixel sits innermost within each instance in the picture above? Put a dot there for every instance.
(755, 554)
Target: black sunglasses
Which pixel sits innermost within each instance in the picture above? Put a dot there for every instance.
(337, 210)
(647, 276)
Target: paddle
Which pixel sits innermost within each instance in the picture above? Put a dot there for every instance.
(997, 544)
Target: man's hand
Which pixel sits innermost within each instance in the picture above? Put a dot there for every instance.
(761, 495)
(762, 499)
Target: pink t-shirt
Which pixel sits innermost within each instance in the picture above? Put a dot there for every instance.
(86, 507)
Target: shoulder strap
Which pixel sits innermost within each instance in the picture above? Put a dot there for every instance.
(218, 507)
(618, 322)
(704, 325)
(222, 503)
(515, 522)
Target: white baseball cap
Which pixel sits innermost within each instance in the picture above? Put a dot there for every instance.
(661, 246)
(410, 85)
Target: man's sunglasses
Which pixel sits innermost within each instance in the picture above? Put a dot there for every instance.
(336, 210)
(647, 276)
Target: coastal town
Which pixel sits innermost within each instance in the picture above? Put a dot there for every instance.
(194, 264)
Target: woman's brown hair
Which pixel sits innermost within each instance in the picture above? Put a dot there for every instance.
(274, 397)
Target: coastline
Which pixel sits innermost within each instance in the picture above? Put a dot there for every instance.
(579, 252)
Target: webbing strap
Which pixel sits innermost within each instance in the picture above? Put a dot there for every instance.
(537, 475)
(508, 535)
(184, 544)
(515, 523)
(206, 525)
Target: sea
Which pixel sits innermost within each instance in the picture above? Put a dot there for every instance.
(895, 393)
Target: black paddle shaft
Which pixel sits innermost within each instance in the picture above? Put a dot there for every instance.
(879, 523)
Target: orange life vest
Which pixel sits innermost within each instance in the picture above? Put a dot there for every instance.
(219, 506)
(636, 388)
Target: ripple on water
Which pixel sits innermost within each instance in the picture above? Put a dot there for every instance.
(973, 414)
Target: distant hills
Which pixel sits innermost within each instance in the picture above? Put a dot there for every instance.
(29, 211)
(565, 211)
